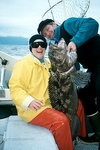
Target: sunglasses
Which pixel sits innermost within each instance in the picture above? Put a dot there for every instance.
(37, 44)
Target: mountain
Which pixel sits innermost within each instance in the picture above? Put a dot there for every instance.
(11, 40)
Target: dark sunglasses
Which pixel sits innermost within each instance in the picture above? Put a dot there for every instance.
(37, 44)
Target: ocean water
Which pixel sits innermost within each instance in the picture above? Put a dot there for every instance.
(18, 51)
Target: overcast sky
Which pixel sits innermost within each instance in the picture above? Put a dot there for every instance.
(21, 17)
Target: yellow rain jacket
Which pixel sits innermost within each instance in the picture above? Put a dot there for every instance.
(29, 81)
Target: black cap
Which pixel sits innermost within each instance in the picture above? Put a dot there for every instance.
(43, 24)
(36, 37)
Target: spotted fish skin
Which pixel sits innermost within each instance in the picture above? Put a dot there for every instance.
(62, 91)
(61, 61)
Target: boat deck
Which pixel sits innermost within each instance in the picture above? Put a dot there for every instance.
(17, 135)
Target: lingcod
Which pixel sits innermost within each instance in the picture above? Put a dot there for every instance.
(62, 91)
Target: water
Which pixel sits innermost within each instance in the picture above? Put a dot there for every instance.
(17, 50)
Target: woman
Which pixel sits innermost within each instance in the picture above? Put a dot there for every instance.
(29, 91)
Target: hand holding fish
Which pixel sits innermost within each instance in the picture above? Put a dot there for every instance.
(71, 46)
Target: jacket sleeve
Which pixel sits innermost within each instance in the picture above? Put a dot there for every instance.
(82, 29)
(18, 84)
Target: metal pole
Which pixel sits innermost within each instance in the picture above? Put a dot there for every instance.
(2, 76)
(51, 10)
(64, 9)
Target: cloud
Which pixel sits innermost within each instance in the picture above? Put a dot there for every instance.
(21, 17)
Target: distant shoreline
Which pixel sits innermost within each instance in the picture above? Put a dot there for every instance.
(12, 40)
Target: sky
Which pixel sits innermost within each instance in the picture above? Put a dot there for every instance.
(21, 17)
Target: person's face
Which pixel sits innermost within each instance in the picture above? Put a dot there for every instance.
(48, 31)
(38, 49)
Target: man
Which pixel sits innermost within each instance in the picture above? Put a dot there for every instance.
(81, 35)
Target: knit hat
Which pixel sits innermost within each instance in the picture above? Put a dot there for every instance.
(34, 38)
(43, 24)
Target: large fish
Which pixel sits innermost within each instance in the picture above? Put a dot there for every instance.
(62, 91)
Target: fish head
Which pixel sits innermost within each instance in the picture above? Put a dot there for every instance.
(60, 59)
(57, 52)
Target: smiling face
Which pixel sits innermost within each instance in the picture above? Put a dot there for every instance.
(38, 52)
(48, 30)
(38, 48)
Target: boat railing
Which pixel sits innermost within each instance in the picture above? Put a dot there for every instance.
(3, 63)
(6, 66)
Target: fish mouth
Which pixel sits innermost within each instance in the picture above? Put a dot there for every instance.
(54, 46)
(56, 53)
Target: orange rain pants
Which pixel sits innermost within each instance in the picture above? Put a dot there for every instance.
(81, 115)
(59, 124)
